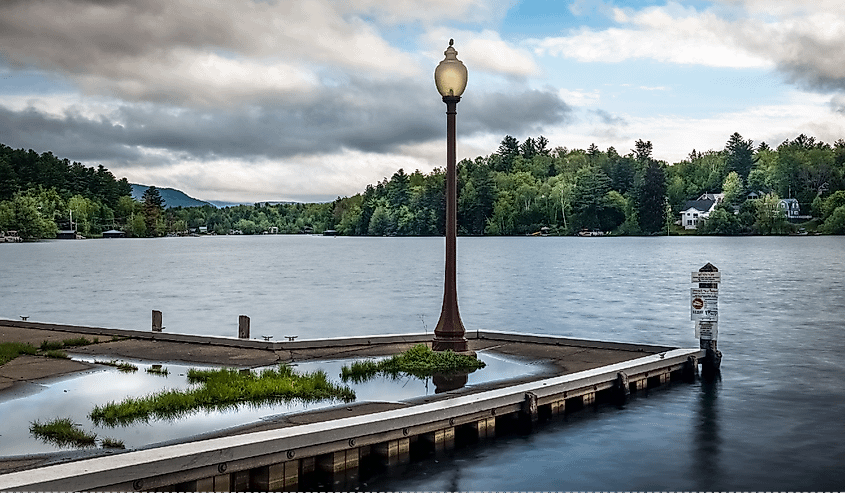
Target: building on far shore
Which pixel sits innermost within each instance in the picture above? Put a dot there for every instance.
(113, 233)
(697, 210)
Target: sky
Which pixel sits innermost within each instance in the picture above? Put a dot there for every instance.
(308, 100)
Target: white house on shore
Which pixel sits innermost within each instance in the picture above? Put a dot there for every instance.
(790, 208)
(697, 210)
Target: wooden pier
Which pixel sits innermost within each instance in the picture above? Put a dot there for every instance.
(334, 444)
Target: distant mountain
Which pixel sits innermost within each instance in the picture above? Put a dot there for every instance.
(171, 196)
(222, 203)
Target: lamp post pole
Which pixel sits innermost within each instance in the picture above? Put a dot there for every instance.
(451, 81)
(449, 333)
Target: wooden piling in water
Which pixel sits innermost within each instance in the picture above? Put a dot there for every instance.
(243, 327)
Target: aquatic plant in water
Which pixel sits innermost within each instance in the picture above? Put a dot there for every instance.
(158, 370)
(120, 365)
(221, 389)
(112, 443)
(418, 361)
(62, 432)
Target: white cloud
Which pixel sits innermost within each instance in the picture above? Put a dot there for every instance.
(670, 35)
(300, 178)
(580, 97)
(674, 136)
(485, 51)
(802, 39)
(430, 11)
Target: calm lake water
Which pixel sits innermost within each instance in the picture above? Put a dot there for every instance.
(773, 422)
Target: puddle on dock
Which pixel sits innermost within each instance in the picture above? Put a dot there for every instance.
(74, 397)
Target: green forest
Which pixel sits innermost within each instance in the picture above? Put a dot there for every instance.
(522, 188)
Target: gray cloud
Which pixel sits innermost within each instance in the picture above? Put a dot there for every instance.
(805, 45)
(361, 116)
(252, 80)
(514, 113)
(607, 118)
(74, 137)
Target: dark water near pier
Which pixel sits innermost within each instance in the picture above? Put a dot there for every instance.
(774, 421)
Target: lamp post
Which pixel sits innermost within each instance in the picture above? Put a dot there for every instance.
(450, 77)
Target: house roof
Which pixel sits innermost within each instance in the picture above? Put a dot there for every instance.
(701, 205)
(715, 197)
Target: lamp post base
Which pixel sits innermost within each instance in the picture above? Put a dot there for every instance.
(454, 344)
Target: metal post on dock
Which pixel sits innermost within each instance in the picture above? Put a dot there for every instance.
(705, 312)
(243, 327)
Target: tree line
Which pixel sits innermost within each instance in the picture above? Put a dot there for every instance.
(38, 193)
(521, 188)
(526, 186)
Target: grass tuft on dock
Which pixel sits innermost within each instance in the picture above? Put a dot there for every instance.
(11, 350)
(222, 389)
(62, 432)
(79, 341)
(55, 353)
(418, 361)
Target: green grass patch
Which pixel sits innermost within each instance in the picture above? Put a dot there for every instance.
(79, 341)
(54, 353)
(66, 343)
(112, 443)
(51, 345)
(418, 361)
(222, 389)
(11, 350)
(62, 432)
(120, 365)
(158, 370)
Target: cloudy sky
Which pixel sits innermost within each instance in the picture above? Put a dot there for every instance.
(253, 100)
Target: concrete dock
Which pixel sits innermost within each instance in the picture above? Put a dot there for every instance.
(334, 443)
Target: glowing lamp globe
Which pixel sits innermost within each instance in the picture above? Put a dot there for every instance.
(450, 76)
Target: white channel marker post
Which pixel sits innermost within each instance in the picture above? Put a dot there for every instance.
(704, 310)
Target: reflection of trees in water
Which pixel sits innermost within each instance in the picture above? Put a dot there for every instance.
(706, 468)
(444, 382)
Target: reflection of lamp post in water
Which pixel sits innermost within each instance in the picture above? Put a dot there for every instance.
(450, 76)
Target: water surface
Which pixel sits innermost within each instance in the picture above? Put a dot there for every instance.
(773, 422)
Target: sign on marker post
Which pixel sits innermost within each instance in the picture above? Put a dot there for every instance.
(707, 330)
(704, 304)
(704, 310)
(706, 277)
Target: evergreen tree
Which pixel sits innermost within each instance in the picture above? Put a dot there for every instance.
(508, 150)
(642, 150)
(152, 209)
(651, 197)
(740, 155)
